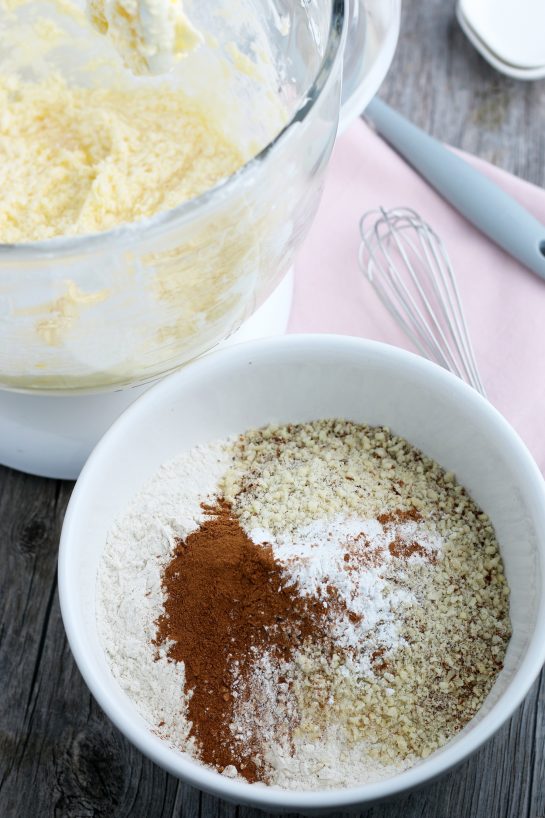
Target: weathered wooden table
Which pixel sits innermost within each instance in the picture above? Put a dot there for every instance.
(59, 755)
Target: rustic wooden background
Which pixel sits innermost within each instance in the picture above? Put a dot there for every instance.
(59, 755)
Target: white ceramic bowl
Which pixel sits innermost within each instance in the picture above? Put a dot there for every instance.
(298, 378)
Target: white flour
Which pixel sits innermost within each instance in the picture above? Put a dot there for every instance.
(129, 594)
(351, 556)
(330, 762)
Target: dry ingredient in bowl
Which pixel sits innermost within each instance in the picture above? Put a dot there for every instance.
(308, 606)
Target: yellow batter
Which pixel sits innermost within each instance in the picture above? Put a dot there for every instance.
(150, 35)
(86, 146)
(79, 160)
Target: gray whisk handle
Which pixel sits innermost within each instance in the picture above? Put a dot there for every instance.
(487, 206)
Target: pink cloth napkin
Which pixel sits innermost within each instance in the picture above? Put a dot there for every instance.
(503, 302)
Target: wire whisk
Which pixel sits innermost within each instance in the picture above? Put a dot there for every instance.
(409, 269)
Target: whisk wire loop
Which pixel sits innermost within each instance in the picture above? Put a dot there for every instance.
(408, 266)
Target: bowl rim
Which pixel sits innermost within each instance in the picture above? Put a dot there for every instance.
(262, 796)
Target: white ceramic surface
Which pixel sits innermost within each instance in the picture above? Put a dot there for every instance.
(507, 33)
(298, 378)
(512, 29)
(52, 435)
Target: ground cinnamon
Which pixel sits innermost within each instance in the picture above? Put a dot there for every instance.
(399, 516)
(224, 595)
(399, 547)
(226, 602)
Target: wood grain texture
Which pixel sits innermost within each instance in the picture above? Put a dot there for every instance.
(440, 82)
(59, 755)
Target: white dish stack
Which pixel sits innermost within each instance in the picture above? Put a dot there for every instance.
(508, 33)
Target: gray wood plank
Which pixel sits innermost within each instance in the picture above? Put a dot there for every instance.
(537, 770)
(441, 83)
(59, 755)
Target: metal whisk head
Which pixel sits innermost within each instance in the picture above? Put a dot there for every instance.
(408, 266)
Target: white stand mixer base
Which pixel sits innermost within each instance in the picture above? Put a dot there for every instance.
(52, 436)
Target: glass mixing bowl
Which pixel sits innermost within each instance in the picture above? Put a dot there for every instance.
(127, 305)
(122, 307)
